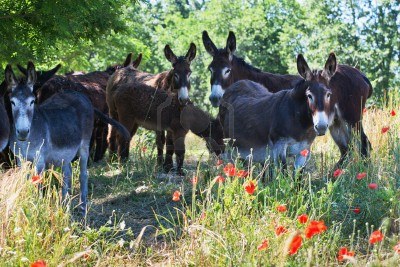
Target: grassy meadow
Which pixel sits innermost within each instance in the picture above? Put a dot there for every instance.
(133, 220)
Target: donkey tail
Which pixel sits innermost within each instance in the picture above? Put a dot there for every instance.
(120, 128)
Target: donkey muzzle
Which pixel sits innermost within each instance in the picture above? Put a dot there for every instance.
(215, 101)
(22, 135)
(320, 129)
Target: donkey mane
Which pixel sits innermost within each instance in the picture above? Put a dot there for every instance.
(244, 65)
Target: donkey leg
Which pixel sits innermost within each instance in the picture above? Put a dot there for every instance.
(341, 135)
(67, 182)
(365, 143)
(123, 145)
(168, 164)
(160, 142)
(83, 177)
(101, 132)
(112, 137)
(179, 146)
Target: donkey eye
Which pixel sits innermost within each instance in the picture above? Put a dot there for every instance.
(310, 96)
(227, 71)
(189, 74)
(13, 103)
(328, 95)
(33, 101)
(176, 76)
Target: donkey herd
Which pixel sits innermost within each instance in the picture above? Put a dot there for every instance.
(55, 119)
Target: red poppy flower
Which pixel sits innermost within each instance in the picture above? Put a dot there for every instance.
(220, 179)
(230, 169)
(315, 228)
(36, 179)
(194, 180)
(361, 175)
(303, 218)
(280, 230)
(295, 244)
(250, 187)
(357, 210)
(144, 149)
(337, 173)
(304, 152)
(220, 162)
(343, 251)
(373, 186)
(176, 196)
(397, 248)
(376, 236)
(393, 113)
(242, 174)
(385, 129)
(39, 263)
(281, 208)
(263, 245)
(364, 110)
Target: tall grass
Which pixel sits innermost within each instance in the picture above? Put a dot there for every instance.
(215, 223)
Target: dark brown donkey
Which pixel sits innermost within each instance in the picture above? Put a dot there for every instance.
(175, 79)
(349, 86)
(93, 85)
(283, 123)
(163, 106)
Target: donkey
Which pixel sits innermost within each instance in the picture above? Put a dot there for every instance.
(93, 85)
(6, 156)
(54, 132)
(142, 105)
(349, 86)
(175, 79)
(286, 122)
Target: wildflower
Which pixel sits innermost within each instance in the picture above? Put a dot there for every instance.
(304, 152)
(242, 174)
(376, 236)
(263, 245)
(393, 113)
(295, 244)
(343, 251)
(303, 218)
(36, 179)
(220, 179)
(385, 129)
(280, 230)
(144, 149)
(397, 248)
(364, 110)
(122, 225)
(230, 169)
(176, 196)
(194, 180)
(338, 172)
(39, 263)
(315, 228)
(203, 215)
(281, 208)
(121, 243)
(357, 210)
(361, 175)
(220, 162)
(373, 186)
(250, 187)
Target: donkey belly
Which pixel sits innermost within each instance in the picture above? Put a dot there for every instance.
(258, 154)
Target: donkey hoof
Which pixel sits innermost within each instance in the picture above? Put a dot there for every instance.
(167, 167)
(180, 172)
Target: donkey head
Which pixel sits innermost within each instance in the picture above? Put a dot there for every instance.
(316, 92)
(22, 98)
(181, 72)
(41, 76)
(220, 67)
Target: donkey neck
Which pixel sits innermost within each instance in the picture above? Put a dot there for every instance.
(165, 81)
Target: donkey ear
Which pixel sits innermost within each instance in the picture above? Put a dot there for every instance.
(191, 54)
(137, 61)
(208, 44)
(231, 44)
(128, 60)
(10, 78)
(303, 68)
(330, 67)
(170, 55)
(31, 77)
